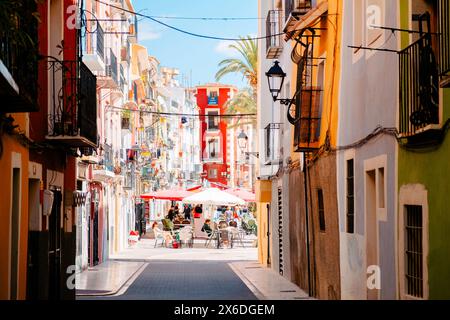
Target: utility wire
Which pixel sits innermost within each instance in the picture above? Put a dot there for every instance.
(184, 114)
(208, 18)
(192, 33)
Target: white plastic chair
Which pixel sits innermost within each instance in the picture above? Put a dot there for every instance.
(159, 235)
(235, 235)
(186, 236)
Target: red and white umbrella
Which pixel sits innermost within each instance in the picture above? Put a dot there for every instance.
(243, 194)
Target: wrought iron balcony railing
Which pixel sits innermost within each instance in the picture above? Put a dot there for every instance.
(19, 62)
(107, 157)
(419, 87)
(111, 69)
(110, 76)
(73, 107)
(444, 39)
(274, 31)
(307, 129)
(100, 48)
(94, 48)
(272, 142)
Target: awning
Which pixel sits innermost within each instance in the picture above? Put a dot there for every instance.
(171, 194)
(307, 20)
(214, 196)
(243, 194)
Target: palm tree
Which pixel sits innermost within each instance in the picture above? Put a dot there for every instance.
(248, 66)
(243, 102)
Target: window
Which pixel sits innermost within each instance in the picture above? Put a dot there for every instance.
(381, 189)
(272, 142)
(321, 209)
(212, 173)
(213, 119)
(350, 196)
(213, 148)
(414, 251)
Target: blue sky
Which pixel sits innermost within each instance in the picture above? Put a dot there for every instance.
(190, 54)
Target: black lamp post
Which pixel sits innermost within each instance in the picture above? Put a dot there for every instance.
(242, 140)
(275, 77)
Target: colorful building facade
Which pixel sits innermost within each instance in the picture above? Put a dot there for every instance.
(211, 99)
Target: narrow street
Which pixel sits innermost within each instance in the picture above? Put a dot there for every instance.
(143, 272)
(185, 280)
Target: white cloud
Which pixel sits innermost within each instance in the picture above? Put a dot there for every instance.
(147, 32)
(223, 48)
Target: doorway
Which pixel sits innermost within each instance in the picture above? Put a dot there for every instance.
(371, 228)
(34, 228)
(54, 247)
(15, 233)
(93, 236)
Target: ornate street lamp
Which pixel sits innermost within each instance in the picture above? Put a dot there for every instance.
(275, 77)
(242, 140)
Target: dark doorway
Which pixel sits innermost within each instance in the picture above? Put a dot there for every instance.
(34, 226)
(93, 236)
(54, 247)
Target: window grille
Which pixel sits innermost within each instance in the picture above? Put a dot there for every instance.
(414, 251)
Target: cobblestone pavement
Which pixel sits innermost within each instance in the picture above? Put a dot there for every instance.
(185, 280)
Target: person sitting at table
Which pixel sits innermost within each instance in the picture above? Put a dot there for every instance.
(168, 238)
(207, 227)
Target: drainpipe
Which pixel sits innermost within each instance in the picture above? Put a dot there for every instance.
(268, 235)
(305, 171)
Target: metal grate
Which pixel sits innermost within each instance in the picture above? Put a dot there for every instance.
(308, 95)
(350, 196)
(444, 37)
(414, 251)
(280, 231)
(419, 82)
(100, 41)
(273, 30)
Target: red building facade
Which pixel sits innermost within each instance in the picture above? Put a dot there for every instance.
(211, 99)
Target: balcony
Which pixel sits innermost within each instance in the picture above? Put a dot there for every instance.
(122, 80)
(272, 143)
(444, 42)
(294, 9)
(273, 29)
(104, 171)
(307, 129)
(125, 52)
(94, 54)
(109, 78)
(19, 63)
(73, 106)
(419, 93)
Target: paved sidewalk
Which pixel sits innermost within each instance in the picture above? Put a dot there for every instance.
(107, 278)
(266, 284)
